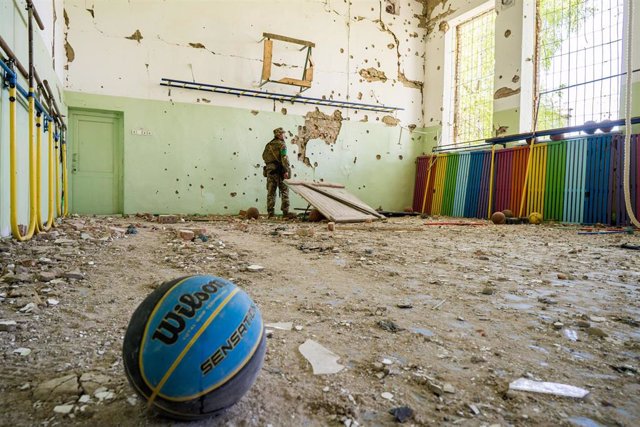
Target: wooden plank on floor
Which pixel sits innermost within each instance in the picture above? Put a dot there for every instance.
(331, 208)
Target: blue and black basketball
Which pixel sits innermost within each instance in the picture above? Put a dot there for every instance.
(194, 347)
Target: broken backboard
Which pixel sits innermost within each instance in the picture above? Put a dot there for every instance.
(334, 201)
(307, 73)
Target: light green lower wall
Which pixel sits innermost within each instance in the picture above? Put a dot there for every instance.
(207, 159)
(506, 122)
(431, 137)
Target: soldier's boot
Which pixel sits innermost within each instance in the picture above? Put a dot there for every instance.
(270, 214)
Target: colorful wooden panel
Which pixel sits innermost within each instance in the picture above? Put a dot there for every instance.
(598, 181)
(502, 181)
(575, 181)
(537, 179)
(462, 180)
(419, 187)
(472, 197)
(483, 203)
(555, 177)
(518, 173)
(574, 184)
(438, 187)
(450, 184)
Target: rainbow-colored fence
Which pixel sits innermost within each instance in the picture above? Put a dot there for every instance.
(573, 181)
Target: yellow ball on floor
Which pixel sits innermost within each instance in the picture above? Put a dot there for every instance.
(535, 218)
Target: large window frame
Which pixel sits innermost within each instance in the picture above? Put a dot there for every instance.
(576, 82)
(451, 120)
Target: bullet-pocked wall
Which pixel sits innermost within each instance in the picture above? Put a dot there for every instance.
(49, 62)
(202, 151)
(513, 88)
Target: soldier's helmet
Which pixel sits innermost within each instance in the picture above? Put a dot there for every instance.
(278, 131)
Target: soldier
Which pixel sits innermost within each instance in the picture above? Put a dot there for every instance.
(276, 170)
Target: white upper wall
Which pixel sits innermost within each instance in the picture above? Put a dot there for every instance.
(218, 42)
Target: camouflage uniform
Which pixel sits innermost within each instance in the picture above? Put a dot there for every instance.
(277, 164)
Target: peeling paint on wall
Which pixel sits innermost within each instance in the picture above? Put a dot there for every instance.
(426, 19)
(392, 7)
(505, 92)
(71, 55)
(390, 121)
(373, 75)
(137, 36)
(317, 125)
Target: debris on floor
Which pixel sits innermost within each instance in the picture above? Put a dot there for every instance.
(557, 389)
(401, 414)
(323, 361)
(283, 326)
(488, 304)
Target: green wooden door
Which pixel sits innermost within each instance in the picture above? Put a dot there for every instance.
(95, 161)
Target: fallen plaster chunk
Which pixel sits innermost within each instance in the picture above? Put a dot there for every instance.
(565, 390)
(8, 325)
(22, 351)
(283, 326)
(63, 409)
(323, 361)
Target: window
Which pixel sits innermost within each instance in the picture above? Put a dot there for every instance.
(579, 61)
(473, 81)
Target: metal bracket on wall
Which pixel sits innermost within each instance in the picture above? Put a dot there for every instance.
(307, 73)
(281, 97)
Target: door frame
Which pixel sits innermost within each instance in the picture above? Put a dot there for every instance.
(118, 118)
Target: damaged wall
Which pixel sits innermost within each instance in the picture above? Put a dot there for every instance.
(363, 54)
(216, 165)
(49, 63)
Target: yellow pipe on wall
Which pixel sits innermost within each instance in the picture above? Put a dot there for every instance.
(57, 162)
(65, 180)
(50, 217)
(13, 169)
(38, 166)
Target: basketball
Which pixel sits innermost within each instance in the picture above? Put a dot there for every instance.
(253, 213)
(194, 347)
(498, 218)
(315, 215)
(535, 218)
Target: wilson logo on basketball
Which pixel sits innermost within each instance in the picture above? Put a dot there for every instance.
(174, 322)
